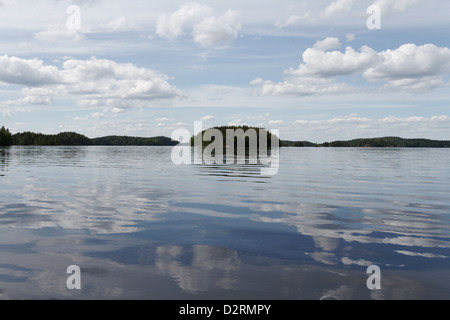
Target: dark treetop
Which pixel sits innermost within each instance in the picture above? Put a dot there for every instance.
(5, 137)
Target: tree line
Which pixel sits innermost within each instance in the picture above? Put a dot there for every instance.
(388, 142)
(76, 139)
(60, 139)
(133, 141)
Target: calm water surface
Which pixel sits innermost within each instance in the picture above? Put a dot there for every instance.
(141, 227)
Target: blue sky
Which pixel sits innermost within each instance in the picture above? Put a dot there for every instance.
(312, 69)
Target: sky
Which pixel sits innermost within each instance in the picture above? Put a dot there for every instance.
(319, 70)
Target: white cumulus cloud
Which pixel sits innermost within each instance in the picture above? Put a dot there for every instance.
(94, 82)
(106, 79)
(213, 31)
(327, 43)
(174, 25)
(40, 96)
(337, 7)
(27, 72)
(410, 67)
(198, 20)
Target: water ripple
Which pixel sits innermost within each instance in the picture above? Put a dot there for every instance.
(203, 229)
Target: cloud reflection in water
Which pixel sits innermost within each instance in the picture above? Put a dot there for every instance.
(147, 228)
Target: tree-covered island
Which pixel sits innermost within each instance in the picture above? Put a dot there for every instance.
(232, 136)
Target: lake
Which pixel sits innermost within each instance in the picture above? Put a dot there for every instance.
(141, 227)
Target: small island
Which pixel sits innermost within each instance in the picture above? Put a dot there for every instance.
(238, 133)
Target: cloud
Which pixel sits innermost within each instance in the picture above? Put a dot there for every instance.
(259, 117)
(237, 122)
(95, 82)
(97, 115)
(41, 96)
(213, 31)
(313, 17)
(208, 118)
(389, 6)
(345, 12)
(120, 24)
(275, 122)
(349, 37)
(351, 119)
(56, 33)
(322, 63)
(410, 67)
(115, 84)
(32, 72)
(327, 43)
(174, 25)
(163, 119)
(117, 110)
(257, 81)
(304, 86)
(337, 7)
(206, 29)
(208, 267)
(355, 126)
(294, 20)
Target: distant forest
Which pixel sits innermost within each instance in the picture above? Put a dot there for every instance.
(133, 141)
(388, 142)
(76, 139)
(60, 139)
